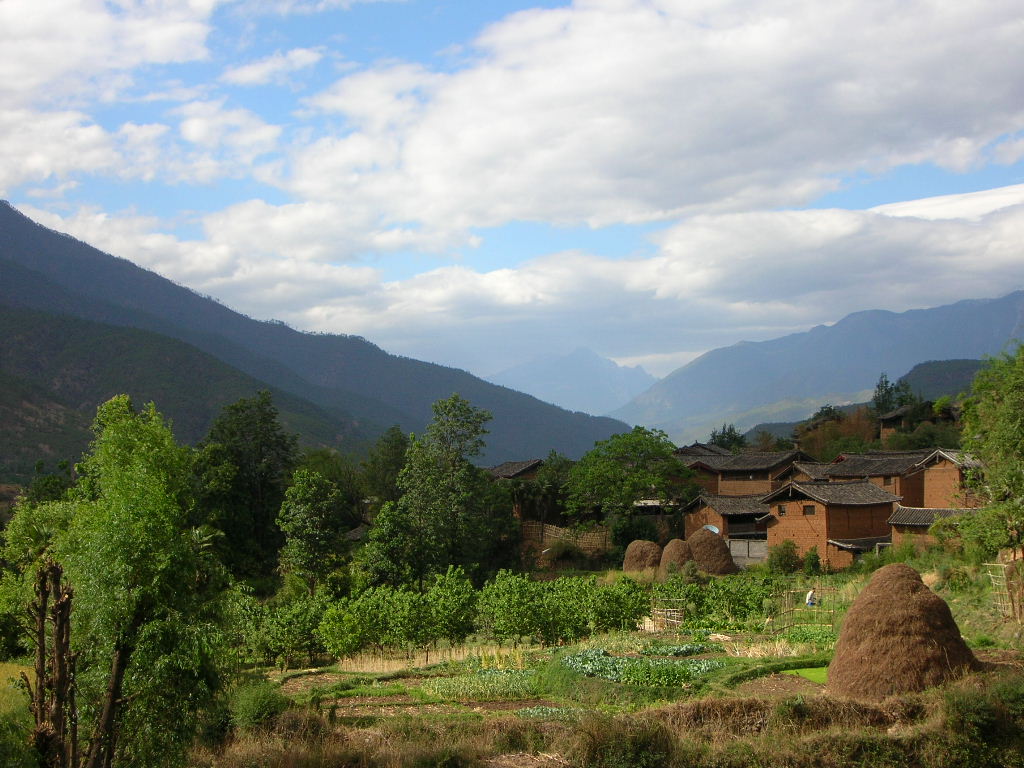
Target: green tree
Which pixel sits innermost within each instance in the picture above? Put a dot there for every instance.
(449, 513)
(889, 396)
(624, 469)
(313, 517)
(728, 437)
(245, 465)
(384, 464)
(507, 608)
(994, 434)
(143, 591)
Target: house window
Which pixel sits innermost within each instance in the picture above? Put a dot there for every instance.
(886, 481)
(782, 510)
(808, 509)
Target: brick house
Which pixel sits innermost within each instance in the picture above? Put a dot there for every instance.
(944, 475)
(912, 524)
(893, 471)
(742, 474)
(840, 519)
(732, 516)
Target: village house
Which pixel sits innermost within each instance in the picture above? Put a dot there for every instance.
(945, 475)
(893, 471)
(839, 519)
(928, 477)
(730, 516)
(912, 524)
(743, 474)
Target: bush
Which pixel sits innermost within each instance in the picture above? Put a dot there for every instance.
(257, 704)
(812, 562)
(782, 558)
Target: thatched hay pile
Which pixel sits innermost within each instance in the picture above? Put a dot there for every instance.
(898, 637)
(712, 553)
(674, 556)
(641, 555)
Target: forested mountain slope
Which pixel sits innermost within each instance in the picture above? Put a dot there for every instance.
(344, 375)
(750, 382)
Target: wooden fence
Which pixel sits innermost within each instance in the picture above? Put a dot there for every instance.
(539, 536)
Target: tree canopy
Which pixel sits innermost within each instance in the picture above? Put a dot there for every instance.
(624, 469)
(449, 512)
(994, 433)
(120, 562)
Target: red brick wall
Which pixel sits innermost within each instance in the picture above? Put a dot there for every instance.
(911, 488)
(705, 515)
(706, 480)
(919, 536)
(805, 531)
(943, 487)
(745, 484)
(815, 530)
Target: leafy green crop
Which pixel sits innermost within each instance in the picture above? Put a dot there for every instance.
(597, 662)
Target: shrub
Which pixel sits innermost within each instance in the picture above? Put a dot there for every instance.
(257, 704)
(812, 562)
(782, 558)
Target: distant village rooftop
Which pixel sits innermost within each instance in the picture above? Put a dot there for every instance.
(855, 493)
(510, 470)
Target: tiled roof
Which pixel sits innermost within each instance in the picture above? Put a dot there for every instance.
(856, 493)
(702, 449)
(921, 517)
(744, 462)
(962, 459)
(813, 469)
(876, 463)
(897, 413)
(731, 505)
(511, 469)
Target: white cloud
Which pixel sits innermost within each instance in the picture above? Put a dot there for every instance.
(53, 48)
(714, 279)
(272, 69)
(968, 205)
(608, 112)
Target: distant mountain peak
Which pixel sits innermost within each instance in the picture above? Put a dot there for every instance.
(581, 380)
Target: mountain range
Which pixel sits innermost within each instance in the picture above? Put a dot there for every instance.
(333, 389)
(788, 378)
(580, 381)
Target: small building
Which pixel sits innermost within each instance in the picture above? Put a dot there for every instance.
(840, 519)
(731, 516)
(944, 479)
(516, 470)
(896, 420)
(894, 471)
(742, 474)
(912, 524)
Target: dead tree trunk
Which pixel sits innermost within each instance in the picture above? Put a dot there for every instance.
(51, 697)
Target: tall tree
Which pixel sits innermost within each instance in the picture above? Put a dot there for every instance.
(449, 512)
(314, 517)
(624, 469)
(994, 433)
(383, 465)
(125, 603)
(246, 463)
(728, 437)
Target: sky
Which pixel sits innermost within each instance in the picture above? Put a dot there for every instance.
(481, 183)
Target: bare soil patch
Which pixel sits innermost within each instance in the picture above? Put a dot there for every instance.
(772, 686)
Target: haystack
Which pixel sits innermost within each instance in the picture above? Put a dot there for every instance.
(712, 553)
(898, 637)
(674, 556)
(641, 555)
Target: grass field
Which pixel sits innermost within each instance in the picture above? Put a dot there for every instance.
(814, 674)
